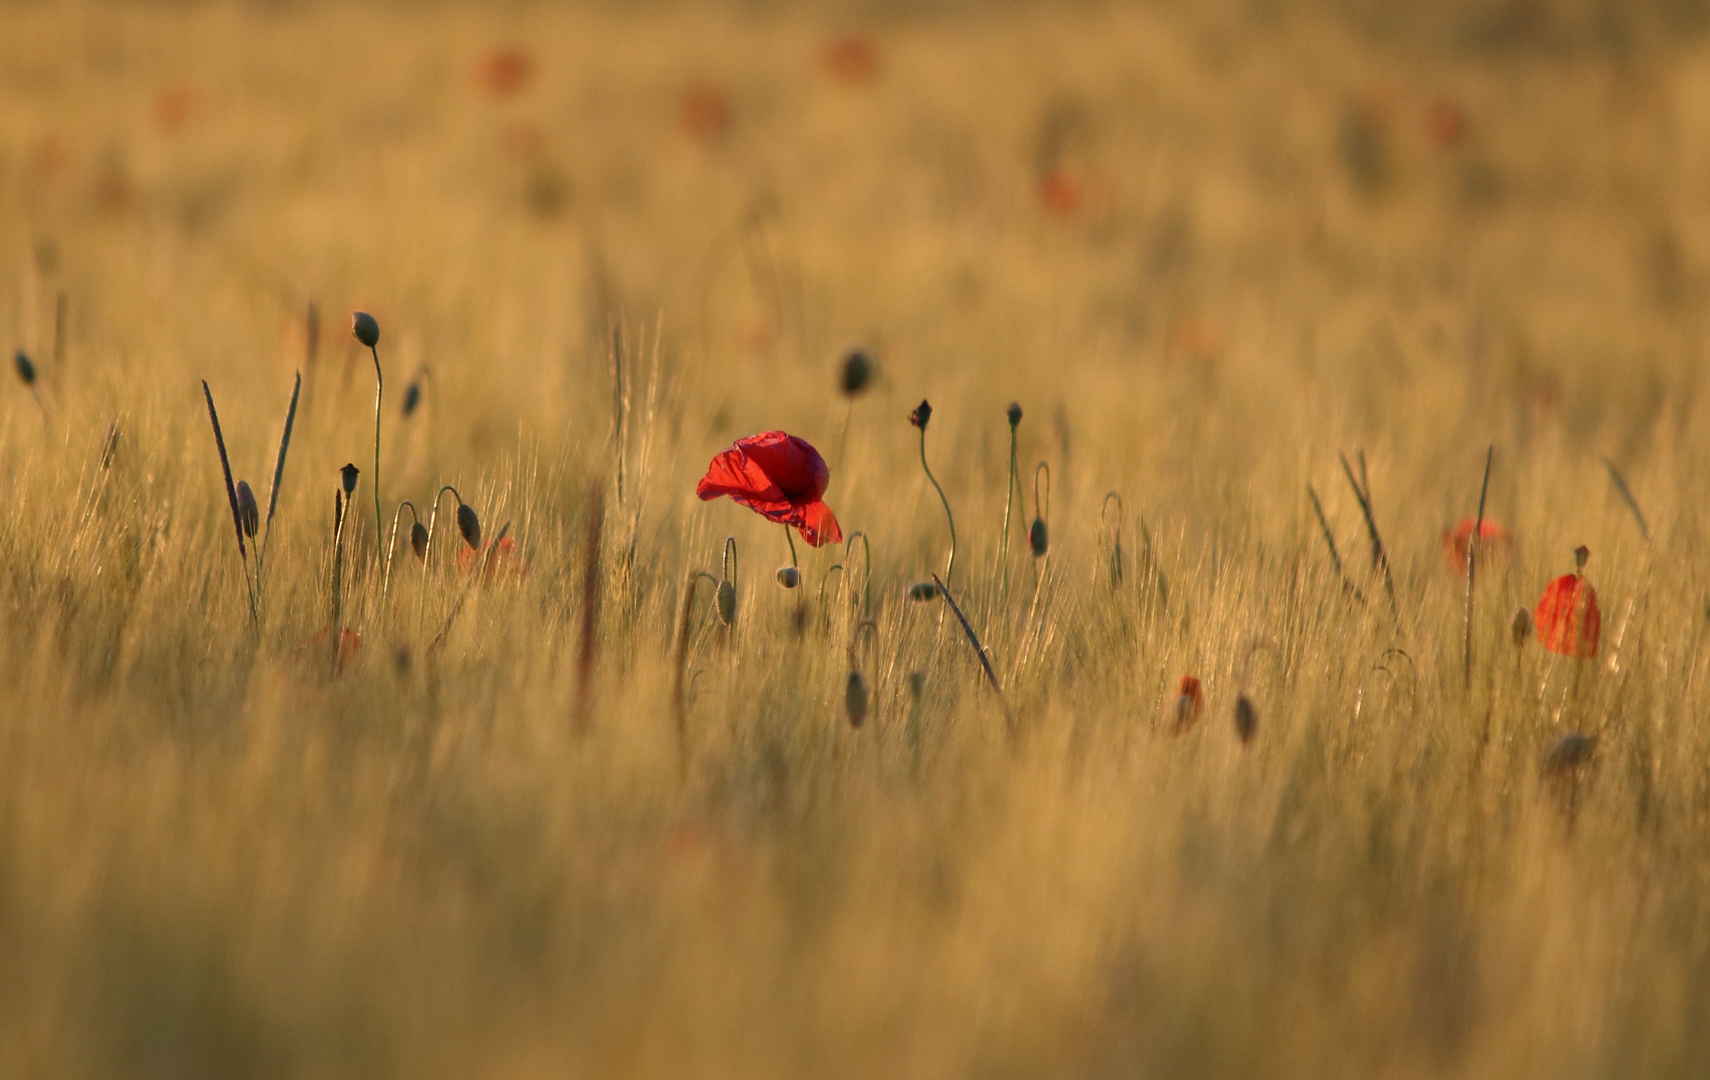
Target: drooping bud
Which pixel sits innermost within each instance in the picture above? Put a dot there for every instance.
(1038, 538)
(857, 370)
(727, 603)
(922, 591)
(855, 699)
(1568, 753)
(249, 515)
(26, 370)
(365, 328)
(916, 685)
(789, 577)
(922, 414)
(1521, 627)
(1581, 555)
(1014, 414)
(419, 540)
(412, 397)
(1246, 718)
(469, 525)
(347, 477)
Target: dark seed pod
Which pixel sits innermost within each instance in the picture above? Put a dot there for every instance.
(1568, 753)
(789, 577)
(922, 591)
(922, 414)
(1014, 414)
(419, 540)
(469, 525)
(857, 371)
(1038, 538)
(727, 603)
(1581, 555)
(365, 328)
(26, 370)
(249, 515)
(855, 699)
(1246, 719)
(916, 684)
(347, 477)
(1521, 628)
(412, 397)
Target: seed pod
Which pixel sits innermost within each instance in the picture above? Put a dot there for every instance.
(365, 328)
(1014, 414)
(419, 540)
(857, 370)
(1521, 627)
(789, 577)
(347, 477)
(855, 699)
(727, 603)
(249, 515)
(469, 525)
(1246, 718)
(1038, 538)
(26, 370)
(412, 397)
(922, 414)
(922, 591)
(1581, 555)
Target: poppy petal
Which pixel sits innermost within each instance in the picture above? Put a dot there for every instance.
(817, 524)
(736, 474)
(1568, 619)
(792, 464)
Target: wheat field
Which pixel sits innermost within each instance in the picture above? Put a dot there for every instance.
(1211, 251)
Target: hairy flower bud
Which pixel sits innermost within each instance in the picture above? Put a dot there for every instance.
(365, 328)
(1038, 538)
(1246, 718)
(412, 397)
(922, 414)
(855, 699)
(26, 370)
(727, 603)
(249, 515)
(922, 591)
(1014, 414)
(857, 371)
(419, 540)
(1521, 627)
(789, 577)
(469, 525)
(347, 477)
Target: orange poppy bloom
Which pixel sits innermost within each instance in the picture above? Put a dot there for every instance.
(503, 72)
(506, 561)
(781, 478)
(1189, 702)
(1059, 193)
(1567, 618)
(315, 649)
(851, 58)
(703, 113)
(1458, 539)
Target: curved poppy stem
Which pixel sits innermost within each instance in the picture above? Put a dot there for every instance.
(1011, 486)
(826, 580)
(379, 386)
(950, 566)
(427, 552)
(1044, 467)
(792, 542)
(392, 545)
(867, 577)
(1116, 535)
(729, 568)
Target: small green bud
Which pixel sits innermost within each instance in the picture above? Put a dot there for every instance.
(366, 330)
(727, 603)
(855, 699)
(789, 577)
(1038, 538)
(469, 525)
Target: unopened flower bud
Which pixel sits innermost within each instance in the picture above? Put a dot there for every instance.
(922, 591)
(412, 397)
(1014, 414)
(365, 328)
(26, 370)
(857, 370)
(419, 540)
(922, 414)
(789, 577)
(855, 699)
(727, 602)
(469, 525)
(916, 684)
(347, 477)
(249, 515)
(1038, 538)
(1521, 627)
(1581, 555)
(1246, 718)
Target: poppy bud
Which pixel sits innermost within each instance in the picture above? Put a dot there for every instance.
(469, 525)
(789, 577)
(412, 397)
(1521, 627)
(923, 590)
(347, 477)
(857, 369)
(26, 370)
(365, 328)
(855, 699)
(1246, 718)
(1568, 753)
(249, 515)
(916, 684)
(1014, 414)
(419, 540)
(922, 414)
(727, 602)
(1189, 700)
(1038, 539)
(1581, 555)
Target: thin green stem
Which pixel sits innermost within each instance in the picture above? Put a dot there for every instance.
(792, 543)
(867, 575)
(379, 386)
(950, 566)
(1010, 488)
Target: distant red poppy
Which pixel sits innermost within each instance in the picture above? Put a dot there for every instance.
(779, 477)
(1456, 540)
(503, 72)
(851, 59)
(703, 113)
(507, 561)
(315, 649)
(1445, 122)
(175, 104)
(1189, 702)
(1567, 618)
(1059, 193)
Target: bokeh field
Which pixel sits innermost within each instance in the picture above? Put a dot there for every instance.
(1208, 248)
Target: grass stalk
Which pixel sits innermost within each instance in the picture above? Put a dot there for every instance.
(1362, 492)
(231, 499)
(1472, 569)
(1330, 542)
(278, 476)
(980, 653)
(590, 607)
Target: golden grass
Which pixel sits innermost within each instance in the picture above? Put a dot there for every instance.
(1206, 247)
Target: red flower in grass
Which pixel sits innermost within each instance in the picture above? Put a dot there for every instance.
(506, 562)
(503, 72)
(1059, 193)
(1457, 539)
(1567, 618)
(851, 58)
(318, 648)
(779, 477)
(1189, 702)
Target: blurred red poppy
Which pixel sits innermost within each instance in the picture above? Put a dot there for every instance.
(175, 104)
(779, 477)
(1456, 540)
(851, 59)
(506, 562)
(503, 72)
(1059, 193)
(1568, 620)
(703, 113)
(1445, 122)
(315, 649)
(1189, 702)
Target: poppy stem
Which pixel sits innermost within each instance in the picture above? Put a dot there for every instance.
(379, 386)
(867, 576)
(950, 566)
(1010, 489)
(792, 542)
(1472, 568)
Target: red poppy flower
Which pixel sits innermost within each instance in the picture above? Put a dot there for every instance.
(349, 641)
(1445, 122)
(1189, 702)
(1059, 193)
(703, 113)
(503, 72)
(1457, 539)
(1567, 618)
(851, 58)
(779, 477)
(506, 562)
